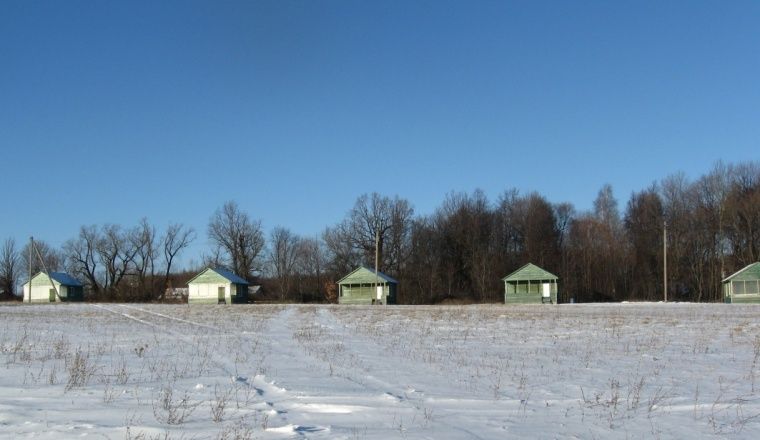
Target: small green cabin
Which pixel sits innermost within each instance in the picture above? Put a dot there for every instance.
(530, 284)
(364, 286)
(217, 286)
(50, 287)
(743, 286)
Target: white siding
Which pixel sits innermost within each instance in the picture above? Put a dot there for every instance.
(41, 293)
(208, 291)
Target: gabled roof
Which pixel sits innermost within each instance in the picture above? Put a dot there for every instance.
(224, 273)
(751, 272)
(530, 272)
(60, 277)
(65, 279)
(365, 275)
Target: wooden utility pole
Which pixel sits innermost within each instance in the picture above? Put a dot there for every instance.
(665, 259)
(377, 244)
(31, 250)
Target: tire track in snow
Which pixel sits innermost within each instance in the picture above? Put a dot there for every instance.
(224, 366)
(330, 321)
(258, 383)
(197, 324)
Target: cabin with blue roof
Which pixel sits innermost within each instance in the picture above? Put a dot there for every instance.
(50, 287)
(217, 286)
(365, 286)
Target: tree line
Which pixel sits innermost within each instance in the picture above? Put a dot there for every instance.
(458, 253)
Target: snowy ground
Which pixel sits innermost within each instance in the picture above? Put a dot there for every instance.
(329, 372)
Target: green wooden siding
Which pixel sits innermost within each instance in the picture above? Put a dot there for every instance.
(359, 287)
(365, 293)
(363, 275)
(526, 286)
(743, 287)
(751, 272)
(530, 272)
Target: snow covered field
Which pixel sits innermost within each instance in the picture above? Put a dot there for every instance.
(329, 372)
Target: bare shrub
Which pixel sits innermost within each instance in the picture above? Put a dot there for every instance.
(80, 369)
(239, 430)
(170, 410)
(218, 405)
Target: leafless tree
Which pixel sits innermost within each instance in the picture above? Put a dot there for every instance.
(82, 257)
(116, 253)
(311, 266)
(10, 265)
(176, 238)
(643, 223)
(51, 257)
(240, 239)
(342, 256)
(743, 205)
(143, 240)
(283, 256)
(382, 222)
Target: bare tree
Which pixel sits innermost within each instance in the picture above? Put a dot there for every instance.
(239, 238)
(175, 239)
(283, 256)
(117, 253)
(342, 256)
(643, 222)
(9, 267)
(143, 240)
(51, 257)
(311, 267)
(82, 258)
(382, 222)
(743, 206)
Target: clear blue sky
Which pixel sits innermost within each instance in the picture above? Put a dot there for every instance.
(111, 111)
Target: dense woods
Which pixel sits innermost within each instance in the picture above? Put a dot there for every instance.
(458, 253)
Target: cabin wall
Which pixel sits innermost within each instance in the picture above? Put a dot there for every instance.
(208, 293)
(365, 293)
(528, 293)
(41, 293)
(742, 291)
(241, 294)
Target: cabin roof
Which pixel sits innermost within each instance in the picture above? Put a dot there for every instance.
(750, 272)
(530, 272)
(60, 277)
(365, 275)
(224, 273)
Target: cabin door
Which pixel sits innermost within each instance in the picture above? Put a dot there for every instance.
(52, 295)
(546, 292)
(221, 295)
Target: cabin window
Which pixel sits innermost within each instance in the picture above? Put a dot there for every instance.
(751, 287)
(737, 287)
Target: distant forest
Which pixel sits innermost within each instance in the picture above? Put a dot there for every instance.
(459, 253)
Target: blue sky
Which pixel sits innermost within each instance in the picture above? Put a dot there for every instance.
(114, 111)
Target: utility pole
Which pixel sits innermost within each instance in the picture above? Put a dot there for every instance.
(31, 250)
(665, 259)
(377, 244)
